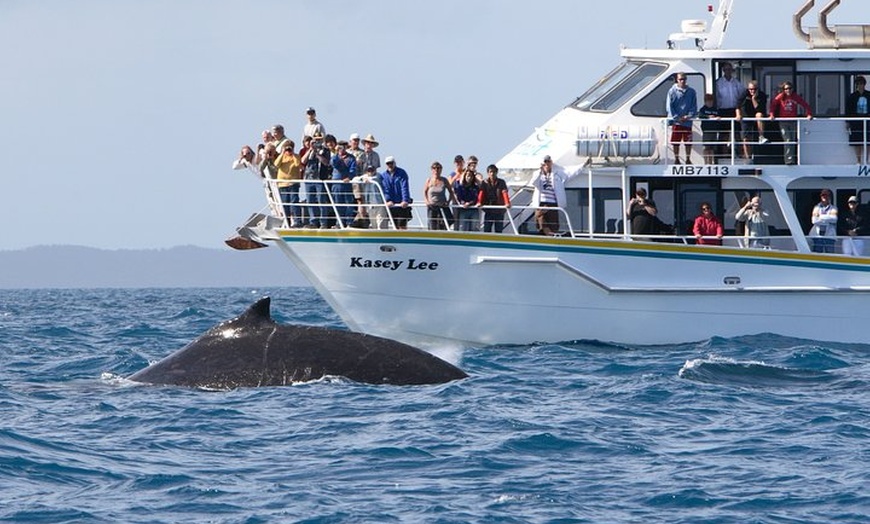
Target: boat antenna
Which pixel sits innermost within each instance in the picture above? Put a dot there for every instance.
(716, 36)
(696, 30)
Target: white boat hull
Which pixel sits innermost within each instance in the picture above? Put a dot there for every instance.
(428, 287)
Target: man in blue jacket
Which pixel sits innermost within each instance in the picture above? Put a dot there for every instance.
(397, 193)
(682, 107)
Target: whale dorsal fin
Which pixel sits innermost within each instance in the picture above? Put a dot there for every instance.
(260, 311)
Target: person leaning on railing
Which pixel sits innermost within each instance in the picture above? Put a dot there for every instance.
(467, 190)
(438, 193)
(707, 225)
(786, 104)
(397, 193)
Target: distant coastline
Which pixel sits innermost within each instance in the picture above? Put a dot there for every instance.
(41, 267)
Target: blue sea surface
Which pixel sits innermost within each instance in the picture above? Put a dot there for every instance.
(760, 429)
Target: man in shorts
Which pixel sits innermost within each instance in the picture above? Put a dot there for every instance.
(682, 107)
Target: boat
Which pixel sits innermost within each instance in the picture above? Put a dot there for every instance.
(597, 280)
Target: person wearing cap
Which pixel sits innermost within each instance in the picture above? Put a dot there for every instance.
(854, 224)
(549, 195)
(824, 220)
(313, 126)
(494, 193)
(458, 169)
(397, 193)
(471, 165)
(858, 106)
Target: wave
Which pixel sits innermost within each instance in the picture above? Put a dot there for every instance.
(715, 369)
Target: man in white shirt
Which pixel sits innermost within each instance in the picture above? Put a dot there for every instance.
(728, 93)
(313, 127)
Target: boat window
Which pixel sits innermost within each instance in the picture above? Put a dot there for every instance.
(655, 103)
(826, 92)
(607, 205)
(612, 91)
(733, 200)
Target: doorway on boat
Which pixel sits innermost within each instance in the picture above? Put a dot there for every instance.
(770, 74)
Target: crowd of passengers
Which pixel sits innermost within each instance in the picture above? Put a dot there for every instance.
(359, 194)
(751, 227)
(734, 100)
(345, 185)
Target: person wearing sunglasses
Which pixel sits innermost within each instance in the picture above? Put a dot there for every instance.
(708, 225)
(787, 104)
(753, 104)
(682, 106)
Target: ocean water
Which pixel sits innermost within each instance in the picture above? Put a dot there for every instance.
(759, 429)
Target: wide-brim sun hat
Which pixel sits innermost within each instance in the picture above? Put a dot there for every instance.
(370, 138)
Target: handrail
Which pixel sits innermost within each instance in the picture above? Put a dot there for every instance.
(515, 212)
(734, 145)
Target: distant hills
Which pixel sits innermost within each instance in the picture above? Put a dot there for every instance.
(183, 266)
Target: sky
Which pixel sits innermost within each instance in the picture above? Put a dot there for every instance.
(119, 119)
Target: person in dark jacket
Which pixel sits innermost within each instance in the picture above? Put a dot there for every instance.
(854, 224)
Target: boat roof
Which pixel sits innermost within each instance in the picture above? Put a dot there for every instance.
(745, 54)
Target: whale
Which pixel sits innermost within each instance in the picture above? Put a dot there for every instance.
(253, 350)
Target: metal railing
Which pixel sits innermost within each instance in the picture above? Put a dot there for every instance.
(515, 217)
(798, 136)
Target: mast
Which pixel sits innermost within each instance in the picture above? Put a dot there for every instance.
(720, 24)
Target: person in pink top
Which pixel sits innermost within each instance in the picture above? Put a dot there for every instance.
(708, 225)
(787, 105)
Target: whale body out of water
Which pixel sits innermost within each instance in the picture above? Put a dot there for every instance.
(253, 350)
